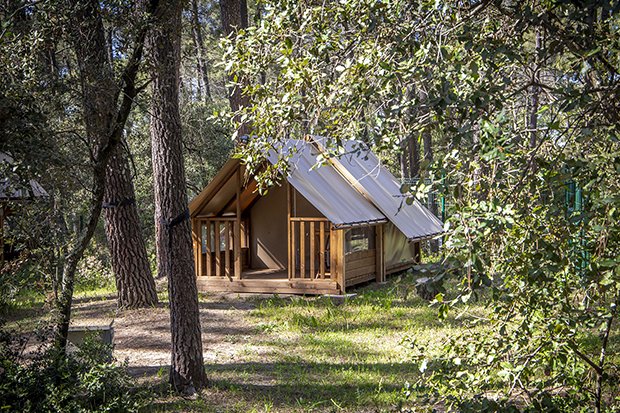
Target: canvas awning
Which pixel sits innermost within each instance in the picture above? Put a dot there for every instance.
(324, 187)
(364, 171)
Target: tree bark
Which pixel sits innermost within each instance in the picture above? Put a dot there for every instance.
(234, 17)
(187, 371)
(134, 282)
(200, 49)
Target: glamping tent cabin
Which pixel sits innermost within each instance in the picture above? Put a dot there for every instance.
(323, 230)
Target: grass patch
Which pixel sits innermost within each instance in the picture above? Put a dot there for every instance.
(311, 354)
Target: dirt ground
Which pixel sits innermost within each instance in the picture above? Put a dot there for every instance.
(142, 337)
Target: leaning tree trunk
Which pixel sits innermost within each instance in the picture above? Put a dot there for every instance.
(134, 281)
(187, 371)
(104, 120)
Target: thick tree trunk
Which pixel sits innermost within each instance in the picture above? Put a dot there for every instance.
(134, 281)
(234, 17)
(187, 371)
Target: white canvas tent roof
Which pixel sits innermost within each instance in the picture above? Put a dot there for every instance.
(354, 189)
(364, 171)
(325, 188)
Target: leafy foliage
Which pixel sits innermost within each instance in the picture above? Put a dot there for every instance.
(520, 99)
(87, 380)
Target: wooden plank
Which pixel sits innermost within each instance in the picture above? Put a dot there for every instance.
(294, 242)
(337, 258)
(289, 240)
(379, 259)
(360, 279)
(322, 249)
(195, 244)
(227, 248)
(209, 250)
(360, 255)
(302, 249)
(306, 219)
(267, 286)
(212, 217)
(364, 262)
(312, 251)
(237, 232)
(357, 272)
(216, 241)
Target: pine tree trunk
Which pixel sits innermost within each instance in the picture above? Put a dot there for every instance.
(134, 281)
(234, 17)
(200, 48)
(187, 371)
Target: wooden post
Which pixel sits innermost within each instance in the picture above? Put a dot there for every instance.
(237, 234)
(312, 251)
(322, 248)
(289, 239)
(379, 259)
(302, 249)
(208, 249)
(227, 248)
(337, 258)
(196, 243)
(293, 224)
(216, 240)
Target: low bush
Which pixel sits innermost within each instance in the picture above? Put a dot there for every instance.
(86, 380)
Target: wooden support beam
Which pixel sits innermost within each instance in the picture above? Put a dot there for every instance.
(312, 251)
(208, 248)
(195, 244)
(293, 241)
(289, 239)
(322, 248)
(237, 233)
(337, 258)
(227, 248)
(216, 241)
(379, 257)
(302, 250)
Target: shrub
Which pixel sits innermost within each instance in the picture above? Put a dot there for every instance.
(86, 380)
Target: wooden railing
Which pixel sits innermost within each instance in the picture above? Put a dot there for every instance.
(216, 254)
(308, 248)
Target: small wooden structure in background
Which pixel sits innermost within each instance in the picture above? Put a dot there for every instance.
(323, 230)
(13, 192)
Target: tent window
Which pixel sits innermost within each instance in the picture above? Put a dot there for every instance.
(359, 239)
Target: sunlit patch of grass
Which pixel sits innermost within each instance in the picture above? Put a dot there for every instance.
(318, 355)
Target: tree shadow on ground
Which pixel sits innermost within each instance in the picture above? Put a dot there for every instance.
(287, 386)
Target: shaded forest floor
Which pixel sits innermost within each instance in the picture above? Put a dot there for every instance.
(284, 354)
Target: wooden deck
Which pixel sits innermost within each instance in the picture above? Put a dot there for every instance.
(272, 281)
